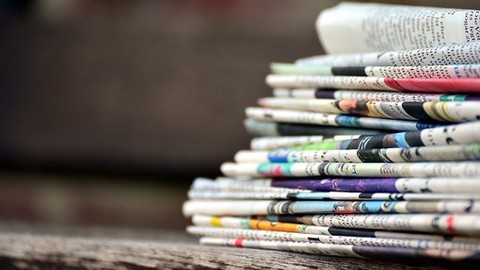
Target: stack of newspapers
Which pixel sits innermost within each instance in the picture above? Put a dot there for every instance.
(371, 150)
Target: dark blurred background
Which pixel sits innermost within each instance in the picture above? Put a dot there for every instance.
(108, 109)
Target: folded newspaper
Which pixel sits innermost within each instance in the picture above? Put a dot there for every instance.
(369, 151)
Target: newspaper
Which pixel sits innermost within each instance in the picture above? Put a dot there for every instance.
(405, 72)
(264, 128)
(339, 184)
(466, 133)
(229, 184)
(346, 250)
(309, 93)
(270, 143)
(325, 119)
(286, 207)
(416, 185)
(262, 224)
(424, 111)
(340, 240)
(331, 195)
(369, 27)
(458, 54)
(286, 141)
(388, 155)
(417, 169)
(451, 86)
(460, 224)
(463, 185)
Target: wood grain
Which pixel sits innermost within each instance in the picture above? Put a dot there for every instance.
(21, 250)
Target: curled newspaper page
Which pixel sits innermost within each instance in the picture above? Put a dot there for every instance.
(361, 27)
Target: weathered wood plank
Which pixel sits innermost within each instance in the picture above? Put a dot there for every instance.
(32, 251)
(47, 246)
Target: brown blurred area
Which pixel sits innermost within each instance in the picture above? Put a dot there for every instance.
(143, 86)
(108, 109)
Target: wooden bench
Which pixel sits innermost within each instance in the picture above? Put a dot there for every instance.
(58, 247)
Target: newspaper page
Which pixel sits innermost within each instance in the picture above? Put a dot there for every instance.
(370, 27)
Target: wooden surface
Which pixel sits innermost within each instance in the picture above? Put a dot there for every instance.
(44, 247)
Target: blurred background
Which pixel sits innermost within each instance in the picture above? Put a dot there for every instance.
(109, 109)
